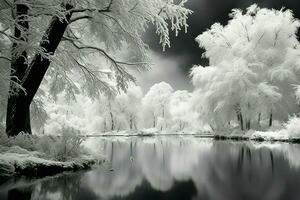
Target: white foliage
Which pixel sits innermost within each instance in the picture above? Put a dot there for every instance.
(297, 93)
(97, 30)
(292, 127)
(156, 104)
(254, 62)
(181, 111)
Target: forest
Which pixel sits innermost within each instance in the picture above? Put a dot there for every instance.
(251, 82)
(69, 71)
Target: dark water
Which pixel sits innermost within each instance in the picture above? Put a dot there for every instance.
(174, 169)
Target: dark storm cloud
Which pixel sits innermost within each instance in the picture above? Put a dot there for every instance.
(206, 13)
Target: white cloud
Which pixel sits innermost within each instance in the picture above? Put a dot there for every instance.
(164, 69)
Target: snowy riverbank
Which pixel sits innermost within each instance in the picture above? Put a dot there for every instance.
(257, 136)
(15, 161)
(289, 132)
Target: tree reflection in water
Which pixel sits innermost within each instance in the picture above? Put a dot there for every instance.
(19, 194)
(177, 168)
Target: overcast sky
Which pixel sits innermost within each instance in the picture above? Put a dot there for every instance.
(173, 65)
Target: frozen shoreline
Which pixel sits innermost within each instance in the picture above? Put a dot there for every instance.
(30, 165)
(256, 136)
(18, 162)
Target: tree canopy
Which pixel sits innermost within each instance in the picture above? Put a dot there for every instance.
(254, 66)
(65, 37)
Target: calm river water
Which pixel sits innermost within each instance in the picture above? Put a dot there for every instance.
(174, 168)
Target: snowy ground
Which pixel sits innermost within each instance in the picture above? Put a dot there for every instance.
(149, 132)
(16, 161)
(290, 132)
(271, 136)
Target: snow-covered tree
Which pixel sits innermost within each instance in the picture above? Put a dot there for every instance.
(4, 87)
(81, 116)
(180, 110)
(61, 36)
(109, 112)
(254, 63)
(130, 104)
(156, 105)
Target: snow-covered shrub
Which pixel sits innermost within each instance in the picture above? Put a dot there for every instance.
(46, 144)
(4, 141)
(288, 130)
(292, 127)
(62, 147)
(24, 140)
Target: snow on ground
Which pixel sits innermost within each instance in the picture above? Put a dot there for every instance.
(291, 131)
(16, 161)
(150, 132)
(269, 135)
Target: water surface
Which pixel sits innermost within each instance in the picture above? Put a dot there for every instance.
(174, 168)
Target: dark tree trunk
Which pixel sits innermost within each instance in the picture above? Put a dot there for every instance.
(154, 121)
(258, 120)
(241, 121)
(104, 124)
(18, 118)
(248, 124)
(131, 122)
(271, 119)
(112, 121)
(239, 116)
(35, 74)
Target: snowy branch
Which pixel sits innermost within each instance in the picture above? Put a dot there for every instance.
(107, 9)
(5, 58)
(74, 19)
(103, 52)
(122, 76)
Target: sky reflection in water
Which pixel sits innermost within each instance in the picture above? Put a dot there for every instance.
(175, 169)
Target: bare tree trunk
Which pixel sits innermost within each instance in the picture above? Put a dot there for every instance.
(135, 126)
(180, 125)
(104, 124)
(154, 121)
(248, 124)
(241, 121)
(239, 116)
(271, 119)
(112, 121)
(131, 122)
(16, 120)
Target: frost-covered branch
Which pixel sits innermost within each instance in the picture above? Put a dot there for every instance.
(5, 58)
(110, 27)
(74, 19)
(94, 81)
(121, 74)
(10, 37)
(106, 9)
